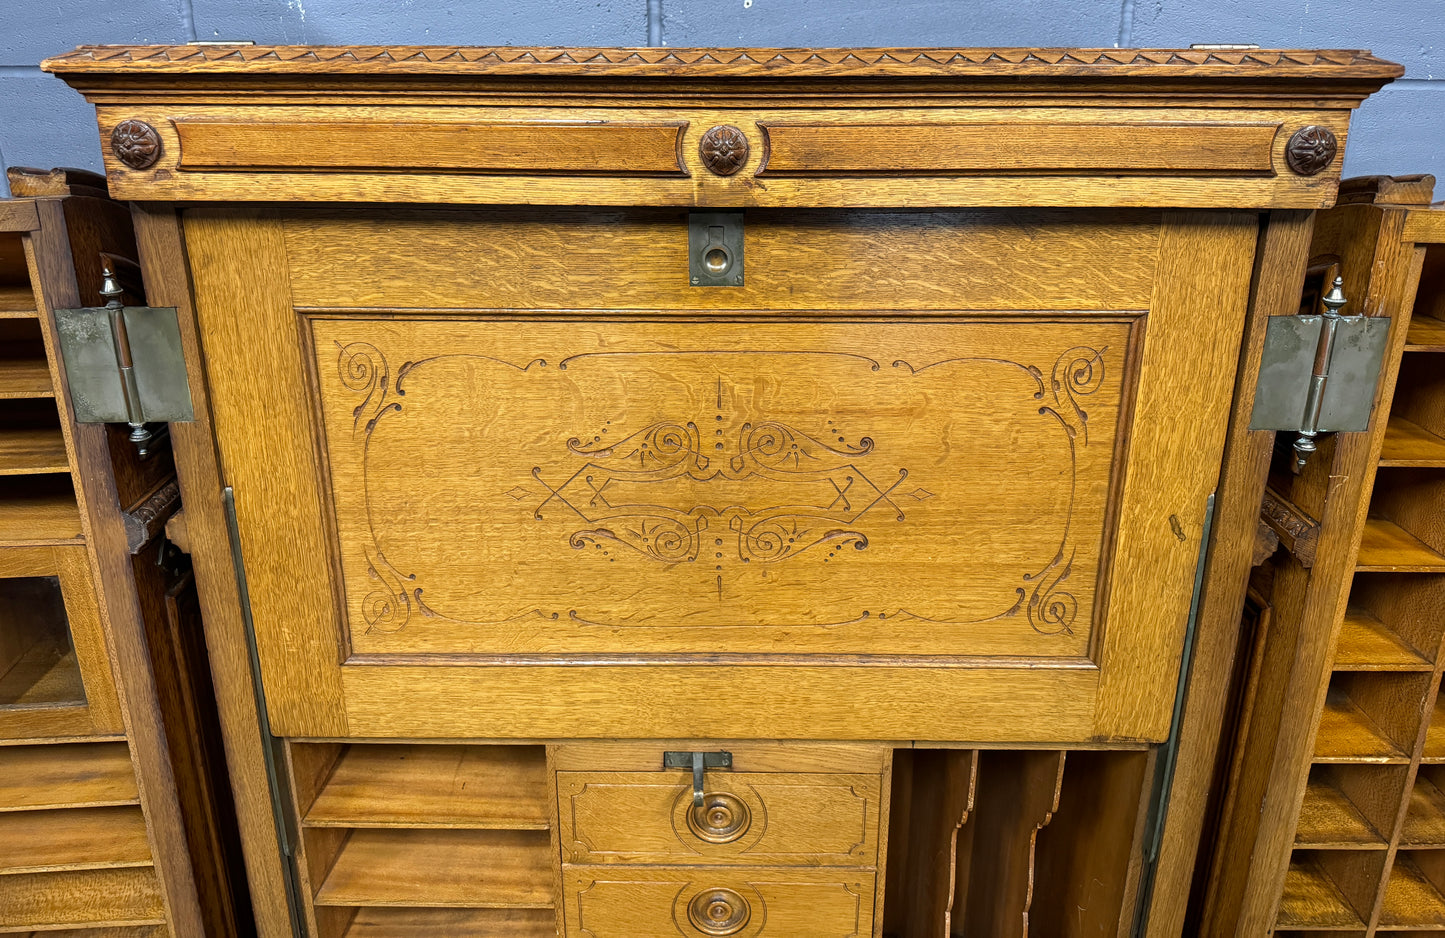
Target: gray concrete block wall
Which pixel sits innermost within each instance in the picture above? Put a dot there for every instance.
(1402, 130)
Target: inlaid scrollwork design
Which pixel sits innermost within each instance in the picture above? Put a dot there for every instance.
(616, 471)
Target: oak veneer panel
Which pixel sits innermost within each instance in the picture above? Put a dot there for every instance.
(575, 148)
(1311, 900)
(1367, 644)
(31, 450)
(244, 289)
(1180, 379)
(1328, 819)
(376, 785)
(566, 259)
(66, 775)
(453, 923)
(1386, 547)
(1410, 898)
(1347, 734)
(25, 378)
(96, 898)
(641, 701)
(692, 487)
(1425, 816)
(442, 868)
(1408, 444)
(72, 839)
(941, 148)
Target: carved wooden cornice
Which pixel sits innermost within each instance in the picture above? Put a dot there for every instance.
(719, 63)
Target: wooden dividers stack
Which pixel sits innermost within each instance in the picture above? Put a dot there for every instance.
(975, 835)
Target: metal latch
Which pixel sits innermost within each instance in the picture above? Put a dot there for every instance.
(123, 364)
(698, 762)
(1319, 372)
(715, 249)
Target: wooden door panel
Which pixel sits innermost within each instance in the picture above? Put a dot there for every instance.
(933, 488)
(548, 510)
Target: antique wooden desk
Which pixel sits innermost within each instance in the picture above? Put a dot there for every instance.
(830, 432)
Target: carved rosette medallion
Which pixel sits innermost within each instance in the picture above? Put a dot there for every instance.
(135, 143)
(1311, 149)
(724, 149)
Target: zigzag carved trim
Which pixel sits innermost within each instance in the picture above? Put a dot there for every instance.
(664, 62)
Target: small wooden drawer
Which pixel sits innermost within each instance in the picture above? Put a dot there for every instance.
(620, 902)
(746, 817)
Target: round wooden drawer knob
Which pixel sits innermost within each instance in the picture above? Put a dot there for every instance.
(1311, 149)
(718, 911)
(724, 149)
(135, 143)
(720, 819)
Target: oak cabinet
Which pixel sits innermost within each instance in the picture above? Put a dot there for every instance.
(718, 401)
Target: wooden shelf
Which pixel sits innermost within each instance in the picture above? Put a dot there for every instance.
(1311, 900)
(66, 775)
(17, 302)
(45, 675)
(39, 516)
(73, 839)
(1426, 334)
(442, 869)
(1409, 444)
(1328, 820)
(88, 901)
(453, 923)
(502, 787)
(1410, 901)
(1388, 548)
(1434, 751)
(1367, 644)
(25, 377)
(1346, 734)
(32, 451)
(1425, 821)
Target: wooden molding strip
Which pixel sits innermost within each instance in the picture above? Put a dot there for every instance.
(575, 148)
(148, 518)
(817, 149)
(708, 63)
(1298, 532)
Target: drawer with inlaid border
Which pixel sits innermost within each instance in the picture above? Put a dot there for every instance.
(625, 902)
(784, 805)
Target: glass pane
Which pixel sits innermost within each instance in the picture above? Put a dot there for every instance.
(37, 662)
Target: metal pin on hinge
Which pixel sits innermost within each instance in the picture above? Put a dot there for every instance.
(111, 289)
(1304, 444)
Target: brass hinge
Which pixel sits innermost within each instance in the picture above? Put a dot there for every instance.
(123, 364)
(1319, 372)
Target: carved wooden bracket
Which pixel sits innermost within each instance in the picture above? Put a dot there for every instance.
(1298, 532)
